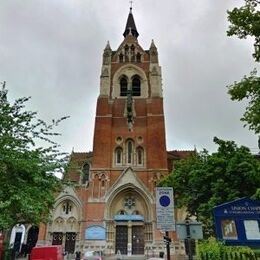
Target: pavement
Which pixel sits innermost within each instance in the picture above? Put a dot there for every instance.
(114, 257)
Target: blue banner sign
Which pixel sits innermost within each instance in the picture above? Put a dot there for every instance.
(238, 222)
(95, 232)
(128, 217)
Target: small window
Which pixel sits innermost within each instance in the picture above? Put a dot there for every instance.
(140, 156)
(138, 57)
(121, 57)
(123, 87)
(67, 207)
(130, 152)
(85, 173)
(136, 86)
(118, 156)
(122, 212)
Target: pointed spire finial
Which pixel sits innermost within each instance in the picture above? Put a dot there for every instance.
(130, 23)
(108, 46)
(152, 44)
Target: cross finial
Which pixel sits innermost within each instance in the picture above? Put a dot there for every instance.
(131, 5)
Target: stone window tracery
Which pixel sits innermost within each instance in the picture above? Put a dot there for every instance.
(67, 207)
(129, 153)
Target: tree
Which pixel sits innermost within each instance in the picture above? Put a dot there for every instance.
(27, 179)
(203, 181)
(245, 22)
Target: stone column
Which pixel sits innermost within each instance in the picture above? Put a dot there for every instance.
(129, 239)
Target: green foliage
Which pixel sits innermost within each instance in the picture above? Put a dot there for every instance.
(244, 22)
(212, 249)
(204, 181)
(248, 88)
(27, 175)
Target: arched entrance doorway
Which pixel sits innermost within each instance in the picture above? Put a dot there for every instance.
(129, 227)
(65, 227)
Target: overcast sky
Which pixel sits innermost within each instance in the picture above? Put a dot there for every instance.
(51, 50)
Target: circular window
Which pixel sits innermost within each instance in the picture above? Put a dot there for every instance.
(139, 139)
(119, 140)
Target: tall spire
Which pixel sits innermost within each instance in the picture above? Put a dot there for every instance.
(130, 27)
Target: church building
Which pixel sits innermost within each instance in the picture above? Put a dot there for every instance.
(110, 205)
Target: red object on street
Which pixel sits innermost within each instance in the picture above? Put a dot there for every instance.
(1, 245)
(47, 253)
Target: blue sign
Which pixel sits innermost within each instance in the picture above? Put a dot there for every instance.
(164, 201)
(95, 232)
(129, 217)
(165, 209)
(238, 222)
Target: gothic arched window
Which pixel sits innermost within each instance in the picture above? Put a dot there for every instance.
(136, 86)
(85, 173)
(140, 156)
(123, 87)
(130, 151)
(132, 53)
(67, 207)
(121, 57)
(138, 57)
(118, 155)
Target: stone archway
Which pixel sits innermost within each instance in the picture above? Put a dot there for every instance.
(65, 226)
(129, 224)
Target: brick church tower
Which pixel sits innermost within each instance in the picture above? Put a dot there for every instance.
(129, 153)
(111, 206)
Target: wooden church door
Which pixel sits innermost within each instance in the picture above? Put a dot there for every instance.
(121, 239)
(137, 240)
(70, 242)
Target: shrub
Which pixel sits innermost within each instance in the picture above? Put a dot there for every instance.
(212, 249)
